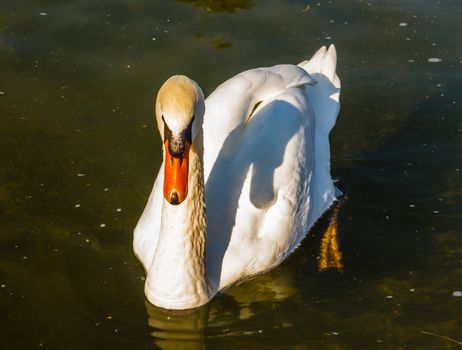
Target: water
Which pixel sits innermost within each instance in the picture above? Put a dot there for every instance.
(79, 151)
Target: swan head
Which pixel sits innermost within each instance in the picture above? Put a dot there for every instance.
(179, 112)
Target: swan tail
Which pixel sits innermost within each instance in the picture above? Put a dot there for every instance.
(325, 100)
(325, 94)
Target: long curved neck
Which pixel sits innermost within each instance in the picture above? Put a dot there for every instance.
(177, 278)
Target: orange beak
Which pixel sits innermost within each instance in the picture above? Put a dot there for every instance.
(176, 175)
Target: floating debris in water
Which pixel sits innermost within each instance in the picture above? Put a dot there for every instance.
(412, 205)
(435, 60)
(3, 285)
(102, 225)
(43, 14)
(118, 210)
(2, 93)
(412, 290)
(106, 189)
(457, 294)
(81, 174)
(403, 24)
(389, 297)
(77, 206)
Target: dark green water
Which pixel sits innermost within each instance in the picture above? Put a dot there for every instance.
(79, 151)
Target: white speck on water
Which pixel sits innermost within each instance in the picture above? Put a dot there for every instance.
(410, 61)
(87, 240)
(457, 294)
(77, 206)
(128, 66)
(24, 257)
(109, 317)
(102, 225)
(106, 189)
(43, 13)
(328, 37)
(435, 212)
(335, 333)
(403, 24)
(389, 297)
(81, 174)
(3, 93)
(118, 210)
(379, 340)
(260, 331)
(154, 38)
(3, 285)
(435, 60)
(412, 290)
(412, 205)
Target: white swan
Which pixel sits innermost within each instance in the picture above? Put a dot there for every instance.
(240, 185)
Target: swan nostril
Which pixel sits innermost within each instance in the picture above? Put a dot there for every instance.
(174, 198)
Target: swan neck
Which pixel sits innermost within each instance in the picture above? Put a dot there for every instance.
(177, 278)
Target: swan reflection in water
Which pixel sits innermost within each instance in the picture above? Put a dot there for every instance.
(188, 329)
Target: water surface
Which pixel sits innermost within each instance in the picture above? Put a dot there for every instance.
(79, 150)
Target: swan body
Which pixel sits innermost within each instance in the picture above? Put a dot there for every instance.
(251, 175)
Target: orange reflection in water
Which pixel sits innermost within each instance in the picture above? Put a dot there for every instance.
(330, 256)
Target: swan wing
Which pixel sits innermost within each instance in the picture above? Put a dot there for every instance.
(233, 104)
(262, 184)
